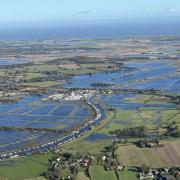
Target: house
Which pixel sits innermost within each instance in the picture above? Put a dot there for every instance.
(104, 158)
(85, 162)
(146, 176)
(119, 168)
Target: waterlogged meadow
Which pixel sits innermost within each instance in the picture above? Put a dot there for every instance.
(144, 75)
(32, 112)
(154, 74)
(12, 61)
(135, 110)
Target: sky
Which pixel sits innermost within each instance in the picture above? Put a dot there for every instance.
(45, 11)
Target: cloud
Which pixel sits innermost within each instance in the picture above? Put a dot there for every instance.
(173, 10)
(129, 15)
(84, 12)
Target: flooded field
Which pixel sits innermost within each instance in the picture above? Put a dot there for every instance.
(119, 68)
(119, 102)
(134, 110)
(13, 140)
(12, 61)
(32, 112)
(155, 74)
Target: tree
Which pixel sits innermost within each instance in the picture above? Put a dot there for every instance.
(145, 169)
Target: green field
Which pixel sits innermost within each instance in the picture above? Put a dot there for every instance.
(23, 168)
(36, 178)
(150, 118)
(148, 99)
(82, 146)
(168, 155)
(81, 176)
(128, 174)
(97, 173)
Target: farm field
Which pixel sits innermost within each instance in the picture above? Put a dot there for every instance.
(29, 167)
(36, 178)
(137, 110)
(151, 118)
(147, 99)
(128, 174)
(168, 155)
(98, 172)
(81, 176)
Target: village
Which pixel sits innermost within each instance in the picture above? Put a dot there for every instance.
(67, 166)
(72, 95)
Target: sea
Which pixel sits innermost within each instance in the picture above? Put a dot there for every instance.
(92, 29)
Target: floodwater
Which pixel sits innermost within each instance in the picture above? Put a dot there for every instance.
(144, 75)
(97, 136)
(118, 101)
(31, 111)
(12, 61)
(142, 70)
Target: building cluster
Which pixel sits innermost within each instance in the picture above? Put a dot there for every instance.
(111, 163)
(72, 95)
(161, 173)
(150, 143)
(8, 83)
(70, 164)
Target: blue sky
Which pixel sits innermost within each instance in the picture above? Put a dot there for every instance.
(33, 11)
